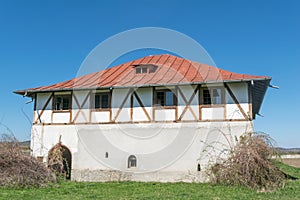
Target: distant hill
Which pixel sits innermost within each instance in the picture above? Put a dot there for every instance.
(25, 143)
(288, 150)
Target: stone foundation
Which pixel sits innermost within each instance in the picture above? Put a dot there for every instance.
(114, 175)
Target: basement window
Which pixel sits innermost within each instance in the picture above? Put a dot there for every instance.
(132, 162)
(62, 102)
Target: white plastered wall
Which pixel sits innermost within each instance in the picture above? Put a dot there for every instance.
(84, 112)
(158, 147)
(145, 95)
(188, 92)
(240, 91)
(41, 100)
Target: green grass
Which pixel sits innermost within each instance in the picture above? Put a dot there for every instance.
(135, 190)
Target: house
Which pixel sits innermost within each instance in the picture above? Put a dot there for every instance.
(158, 118)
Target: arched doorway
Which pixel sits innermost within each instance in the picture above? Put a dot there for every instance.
(60, 160)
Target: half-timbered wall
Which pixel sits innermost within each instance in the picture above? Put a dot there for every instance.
(91, 134)
(240, 92)
(43, 108)
(136, 106)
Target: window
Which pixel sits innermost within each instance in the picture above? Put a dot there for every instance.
(213, 96)
(141, 70)
(144, 69)
(132, 162)
(62, 102)
(102, 101)
(165, 98)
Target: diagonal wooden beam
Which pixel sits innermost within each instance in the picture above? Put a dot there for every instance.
(80, 106)
(188, 103)
(122, 105)
(43, 109)
(142, 105)
(236, 101)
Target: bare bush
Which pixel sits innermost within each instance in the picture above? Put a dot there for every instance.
(20, 170)
(249, 165)
(56, 161)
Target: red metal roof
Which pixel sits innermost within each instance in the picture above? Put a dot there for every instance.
(171, 70)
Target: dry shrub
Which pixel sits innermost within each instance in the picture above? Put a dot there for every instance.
(20, 170)
(249, 165)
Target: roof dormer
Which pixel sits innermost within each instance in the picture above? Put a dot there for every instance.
(145, 68)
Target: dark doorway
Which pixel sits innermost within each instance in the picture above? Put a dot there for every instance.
(61, 164)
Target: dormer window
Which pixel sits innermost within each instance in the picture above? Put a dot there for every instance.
(145, 69)
(141, 70)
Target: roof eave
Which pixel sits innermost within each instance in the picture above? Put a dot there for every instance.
(29, 92)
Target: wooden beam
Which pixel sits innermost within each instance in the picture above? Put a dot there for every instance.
(110, 105)
(142, 105)
(131, 107)
(236, 101)
(176, 103)
(43, 109)
(199, 102)
(80, 106)
(122, 105)
(250, 99)
(188, 103)
(153, 104)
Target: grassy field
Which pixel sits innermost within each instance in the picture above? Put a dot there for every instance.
(135, 190)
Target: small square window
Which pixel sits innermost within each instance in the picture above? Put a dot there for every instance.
(212, 96)
(141, 70)
(102, 101)
(144, 70)
(62, 102)
(165, 98)
(138, 70)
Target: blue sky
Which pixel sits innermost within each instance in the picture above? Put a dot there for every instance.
(44, 42)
